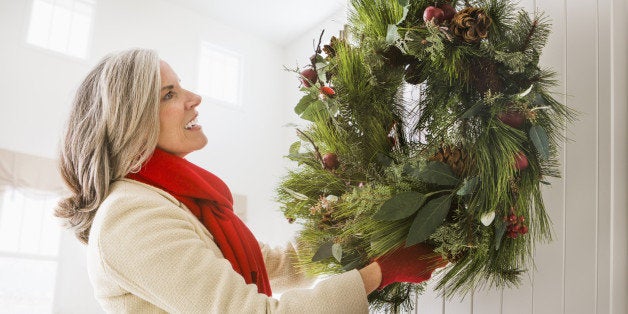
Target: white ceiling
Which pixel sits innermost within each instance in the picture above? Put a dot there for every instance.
(278, 21)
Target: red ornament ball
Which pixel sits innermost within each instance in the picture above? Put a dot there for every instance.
(448, 11)
(308, 77)
(512, 118)
(328, 91)
(433, 14)
(521, 161)
(330, 161)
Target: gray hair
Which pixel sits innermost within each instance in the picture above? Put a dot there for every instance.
(113, 128)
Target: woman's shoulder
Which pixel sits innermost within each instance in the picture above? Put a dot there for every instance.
(130, 201)
(131, 191)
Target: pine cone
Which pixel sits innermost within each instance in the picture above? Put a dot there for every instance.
(457, 158)
(484, 76)
(330, 49)
(471, 24)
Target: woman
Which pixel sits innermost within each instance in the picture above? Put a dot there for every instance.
(160, 231)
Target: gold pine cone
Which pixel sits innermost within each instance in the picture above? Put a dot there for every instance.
(471, 24)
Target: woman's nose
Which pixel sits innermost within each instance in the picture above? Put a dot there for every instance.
(193, 101)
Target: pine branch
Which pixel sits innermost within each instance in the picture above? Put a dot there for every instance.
(524, 47)
(316, 151)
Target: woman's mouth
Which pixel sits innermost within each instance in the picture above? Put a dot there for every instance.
(192, 124)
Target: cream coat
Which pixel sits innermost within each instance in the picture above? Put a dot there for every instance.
(148, 253)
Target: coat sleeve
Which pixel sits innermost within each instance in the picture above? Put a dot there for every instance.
(282, 269)
(151, 249)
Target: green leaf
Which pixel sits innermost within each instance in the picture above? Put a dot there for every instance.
(321, 70)
(351, 265)
(400, 206)
(384, 159)
(392, 34)
(303, 104)
(539, 101)
(438, 173)
(313, 110)
(545, 182)
(526, 92)
(319, 58)
(428, 219)
(473, 111)
(540, 141)
(294, 148)
(406, 9)
(468, 186)
(323, 252)
(336, 251)
(500, 230)
(403, 3)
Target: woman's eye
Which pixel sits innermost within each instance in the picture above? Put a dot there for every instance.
(169, 95)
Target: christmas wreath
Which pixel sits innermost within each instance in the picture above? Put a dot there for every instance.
(432, 122)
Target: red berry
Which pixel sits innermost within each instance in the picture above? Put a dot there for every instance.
(514, 119)
(308, 77)
(330, 161)
(448, 11)
(433, 14)
(523, 230)
(522, 219)
(326, 90)
(512, 218)
(515, 228)
(521, 161)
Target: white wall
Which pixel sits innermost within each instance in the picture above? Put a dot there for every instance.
(584, 269)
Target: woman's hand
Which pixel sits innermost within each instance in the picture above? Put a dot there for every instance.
(409, 264)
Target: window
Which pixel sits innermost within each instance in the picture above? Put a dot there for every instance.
(29, 245)
(219, 75)
(61, 25)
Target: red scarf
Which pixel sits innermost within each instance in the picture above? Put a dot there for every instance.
(210, 200)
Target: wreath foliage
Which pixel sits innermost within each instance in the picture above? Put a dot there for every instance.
(426, 126)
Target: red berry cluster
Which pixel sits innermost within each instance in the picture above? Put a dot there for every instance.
(515, 226)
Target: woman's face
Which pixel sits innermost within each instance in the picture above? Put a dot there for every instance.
(180, 133)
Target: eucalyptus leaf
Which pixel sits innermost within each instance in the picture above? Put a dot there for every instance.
(351, 265)
(321, 72)
(406, 9)
(392, 34)
(313, 110)
(303, 104)
(439, 173)
(319, 58)
(540, 141)
(526, 92)
(468, 186)
(487, 218)
(323, 252)
(294, 148)
(539, 101)
(500, 230)
(296, 194)
(403, 3)
(428, 219)
(384, 159)
(473, 111)
(545, 182)
(336, 251)
(400, 206)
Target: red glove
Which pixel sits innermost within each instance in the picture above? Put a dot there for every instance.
(409, 264)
